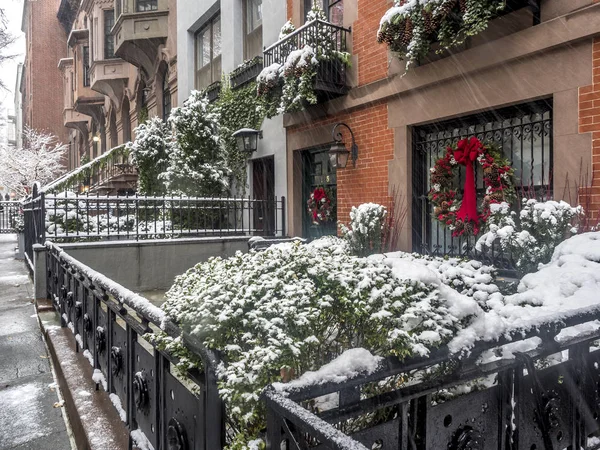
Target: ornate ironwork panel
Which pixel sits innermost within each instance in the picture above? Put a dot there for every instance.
(523, 133)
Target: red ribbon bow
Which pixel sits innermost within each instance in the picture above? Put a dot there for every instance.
(466, 153)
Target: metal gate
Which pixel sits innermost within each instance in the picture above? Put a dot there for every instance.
(8, 215)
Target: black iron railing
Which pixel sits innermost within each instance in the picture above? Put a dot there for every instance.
(118, 175)
(9, 213)
(325, 39)
(547, 397)
(73, 217)
(113, 329)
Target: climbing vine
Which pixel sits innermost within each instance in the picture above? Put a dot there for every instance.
(237, 108)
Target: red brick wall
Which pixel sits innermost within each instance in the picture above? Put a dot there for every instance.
(372, 57)
(589, 122)
(368, 182)
(46, 45)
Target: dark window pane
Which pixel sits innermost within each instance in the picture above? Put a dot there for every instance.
(86, 66)
(109, 42)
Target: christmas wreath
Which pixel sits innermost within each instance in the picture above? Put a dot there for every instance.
(319, 206)
(459, 212)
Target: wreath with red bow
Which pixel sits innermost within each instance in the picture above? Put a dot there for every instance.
(319, 206)
(459, 211)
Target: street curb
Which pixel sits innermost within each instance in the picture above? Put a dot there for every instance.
(94, 421)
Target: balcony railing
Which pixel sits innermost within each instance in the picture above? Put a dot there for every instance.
(324, 38)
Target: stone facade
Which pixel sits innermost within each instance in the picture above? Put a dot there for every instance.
(112, 82)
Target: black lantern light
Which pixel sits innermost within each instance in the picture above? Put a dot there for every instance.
(247, 139)
(338, 153)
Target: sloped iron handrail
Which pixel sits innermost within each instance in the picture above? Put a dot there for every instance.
(113, 329)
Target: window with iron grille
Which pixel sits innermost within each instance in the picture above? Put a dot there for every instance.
(524, 133)
(147, 5)
(109, 41)
(86, 66)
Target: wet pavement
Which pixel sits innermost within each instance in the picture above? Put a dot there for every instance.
(30, 417)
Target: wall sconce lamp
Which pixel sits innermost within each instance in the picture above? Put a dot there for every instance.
(247, 139)
(338, 153)
(96, 138)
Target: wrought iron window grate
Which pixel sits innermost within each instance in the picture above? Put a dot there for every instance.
(524, 133)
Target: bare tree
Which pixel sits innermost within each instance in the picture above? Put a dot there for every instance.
(6, 40)
(40, 160)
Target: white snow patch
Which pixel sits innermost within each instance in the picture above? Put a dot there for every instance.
(349, 364)
(116, 401)
(141, 440)
(98, 378)
(89, 357)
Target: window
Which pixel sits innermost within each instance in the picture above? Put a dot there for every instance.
(86, 66)
(119, 7)
(333, 8)
(147, 5)
(523, 133)
(336, 12)
(208, 54)
(109, 42)
(166, 96)
(253, 29)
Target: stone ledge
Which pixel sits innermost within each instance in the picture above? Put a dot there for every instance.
(95, 422)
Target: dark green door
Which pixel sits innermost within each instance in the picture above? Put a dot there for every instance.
(318, 173)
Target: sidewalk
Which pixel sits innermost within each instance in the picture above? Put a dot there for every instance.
(29, 419)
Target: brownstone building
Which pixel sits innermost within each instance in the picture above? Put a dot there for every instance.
(529, 82)
(46, 43)
(120, 68)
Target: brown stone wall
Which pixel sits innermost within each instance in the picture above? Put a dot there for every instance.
(46, 45)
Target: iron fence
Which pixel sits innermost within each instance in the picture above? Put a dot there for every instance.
(73, 218)
(113, 328)
(323, 38)
(9, 216)
(545, 398)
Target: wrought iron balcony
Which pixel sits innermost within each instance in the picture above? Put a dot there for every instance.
(330, 81)
(212, 91)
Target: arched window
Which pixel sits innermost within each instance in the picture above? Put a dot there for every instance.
(166, 96)
(126, 120)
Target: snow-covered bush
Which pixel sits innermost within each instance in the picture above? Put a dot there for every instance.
(410, 27)
(469, 277)
(367, 223)
(296, 307)
(531, 236)
(150, 153)
(197, 164)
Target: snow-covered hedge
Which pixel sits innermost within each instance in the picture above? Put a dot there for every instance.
(296, 307)
(531, 236)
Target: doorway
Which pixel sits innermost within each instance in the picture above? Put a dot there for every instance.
(263, 189)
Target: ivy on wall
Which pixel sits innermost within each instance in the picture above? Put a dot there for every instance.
(237, 108)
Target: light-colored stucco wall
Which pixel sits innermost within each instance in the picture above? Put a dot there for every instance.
(193, 15)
